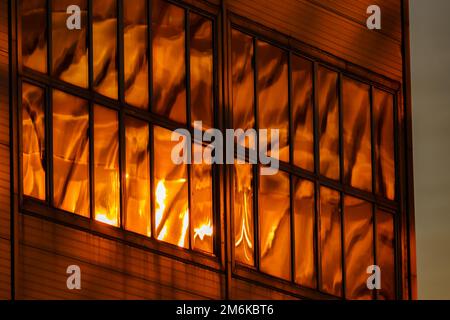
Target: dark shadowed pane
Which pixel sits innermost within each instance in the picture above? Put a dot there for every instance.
(137, 187)
(69, 46)
(302, 113)
(383, 113)
(328, 122)
(169, 67)
(71, 153)
(33, 141)
(135, 53)
(358, 247)
(273, 89)
(104, 15)
(171, 193)
(357, 135)
(106, 166)
(34, 34)
(275, 225)
(305, 266)
(330, 241)
(201, 56)
(202, 229)
(385, 254)
(242, 80)
(243, 214)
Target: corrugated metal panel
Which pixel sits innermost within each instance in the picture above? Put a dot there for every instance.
(5, 244)
(110, 270)
(330, 30)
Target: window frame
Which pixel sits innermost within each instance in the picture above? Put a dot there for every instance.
(48, 82)
(395, 207)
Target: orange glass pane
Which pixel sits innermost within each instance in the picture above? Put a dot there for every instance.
(135, 53)
(104, 34)
(202, 230)
(242, 80)
(330, 241)
(33, 141)
(275, 225)
(383, 114)
(243, 214)
(69, 47)
(201, 59)
(328, 100)
(302, 113)
(385, 255)
(171, 193)
(137, 177)
(34, 34)
(358, 247)
(106, 166)
(304, 218)
(357, 134)
(273, 89)
(169, 67)
(71, 153)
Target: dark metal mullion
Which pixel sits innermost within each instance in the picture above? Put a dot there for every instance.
(48, 111)
(291, 160)
(150, 100)
(398, 260)
(91, 161)
(152, 183)
(342, 178)
(49, 38)
(317, 254)
(121, 114)
(374, 175)
(256, 167)
(150, 54)
(90, 46)
(187, 63)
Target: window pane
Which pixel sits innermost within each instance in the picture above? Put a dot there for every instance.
(273, 91)
(71, 153)
(385, 254)
(135, 53)
(137, 187)
(330, 241)
(243, 214)
(105, 47)
(328, 123)
(33, 141)
(169, 68)
(358, 246)
(106, 166)
(302, 113)
(201, 56)
(34, 34)
(304, 218)
(243, 80)
(383, 113)
(171, 193)
(275, 225)
(357, 135)
(69, 47)
(202, 206)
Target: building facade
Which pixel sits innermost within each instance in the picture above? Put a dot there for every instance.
(86, 176)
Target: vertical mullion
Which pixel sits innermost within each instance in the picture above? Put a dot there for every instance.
(121, 95)
(48, 111)
(317, 173)
(49, 38)
(152, 184)
(150, 54)
(374, 175)
(91, 161)
(342, 179)
(256, 167)
(187, 63)
(90, 46)
(291, 160)
(398, 260)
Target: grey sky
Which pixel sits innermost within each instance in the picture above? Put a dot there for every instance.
(430, 54)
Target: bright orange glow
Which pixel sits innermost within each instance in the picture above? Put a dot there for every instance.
(103, 217)
(204, 230)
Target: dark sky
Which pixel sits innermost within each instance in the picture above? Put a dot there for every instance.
(430, 54)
